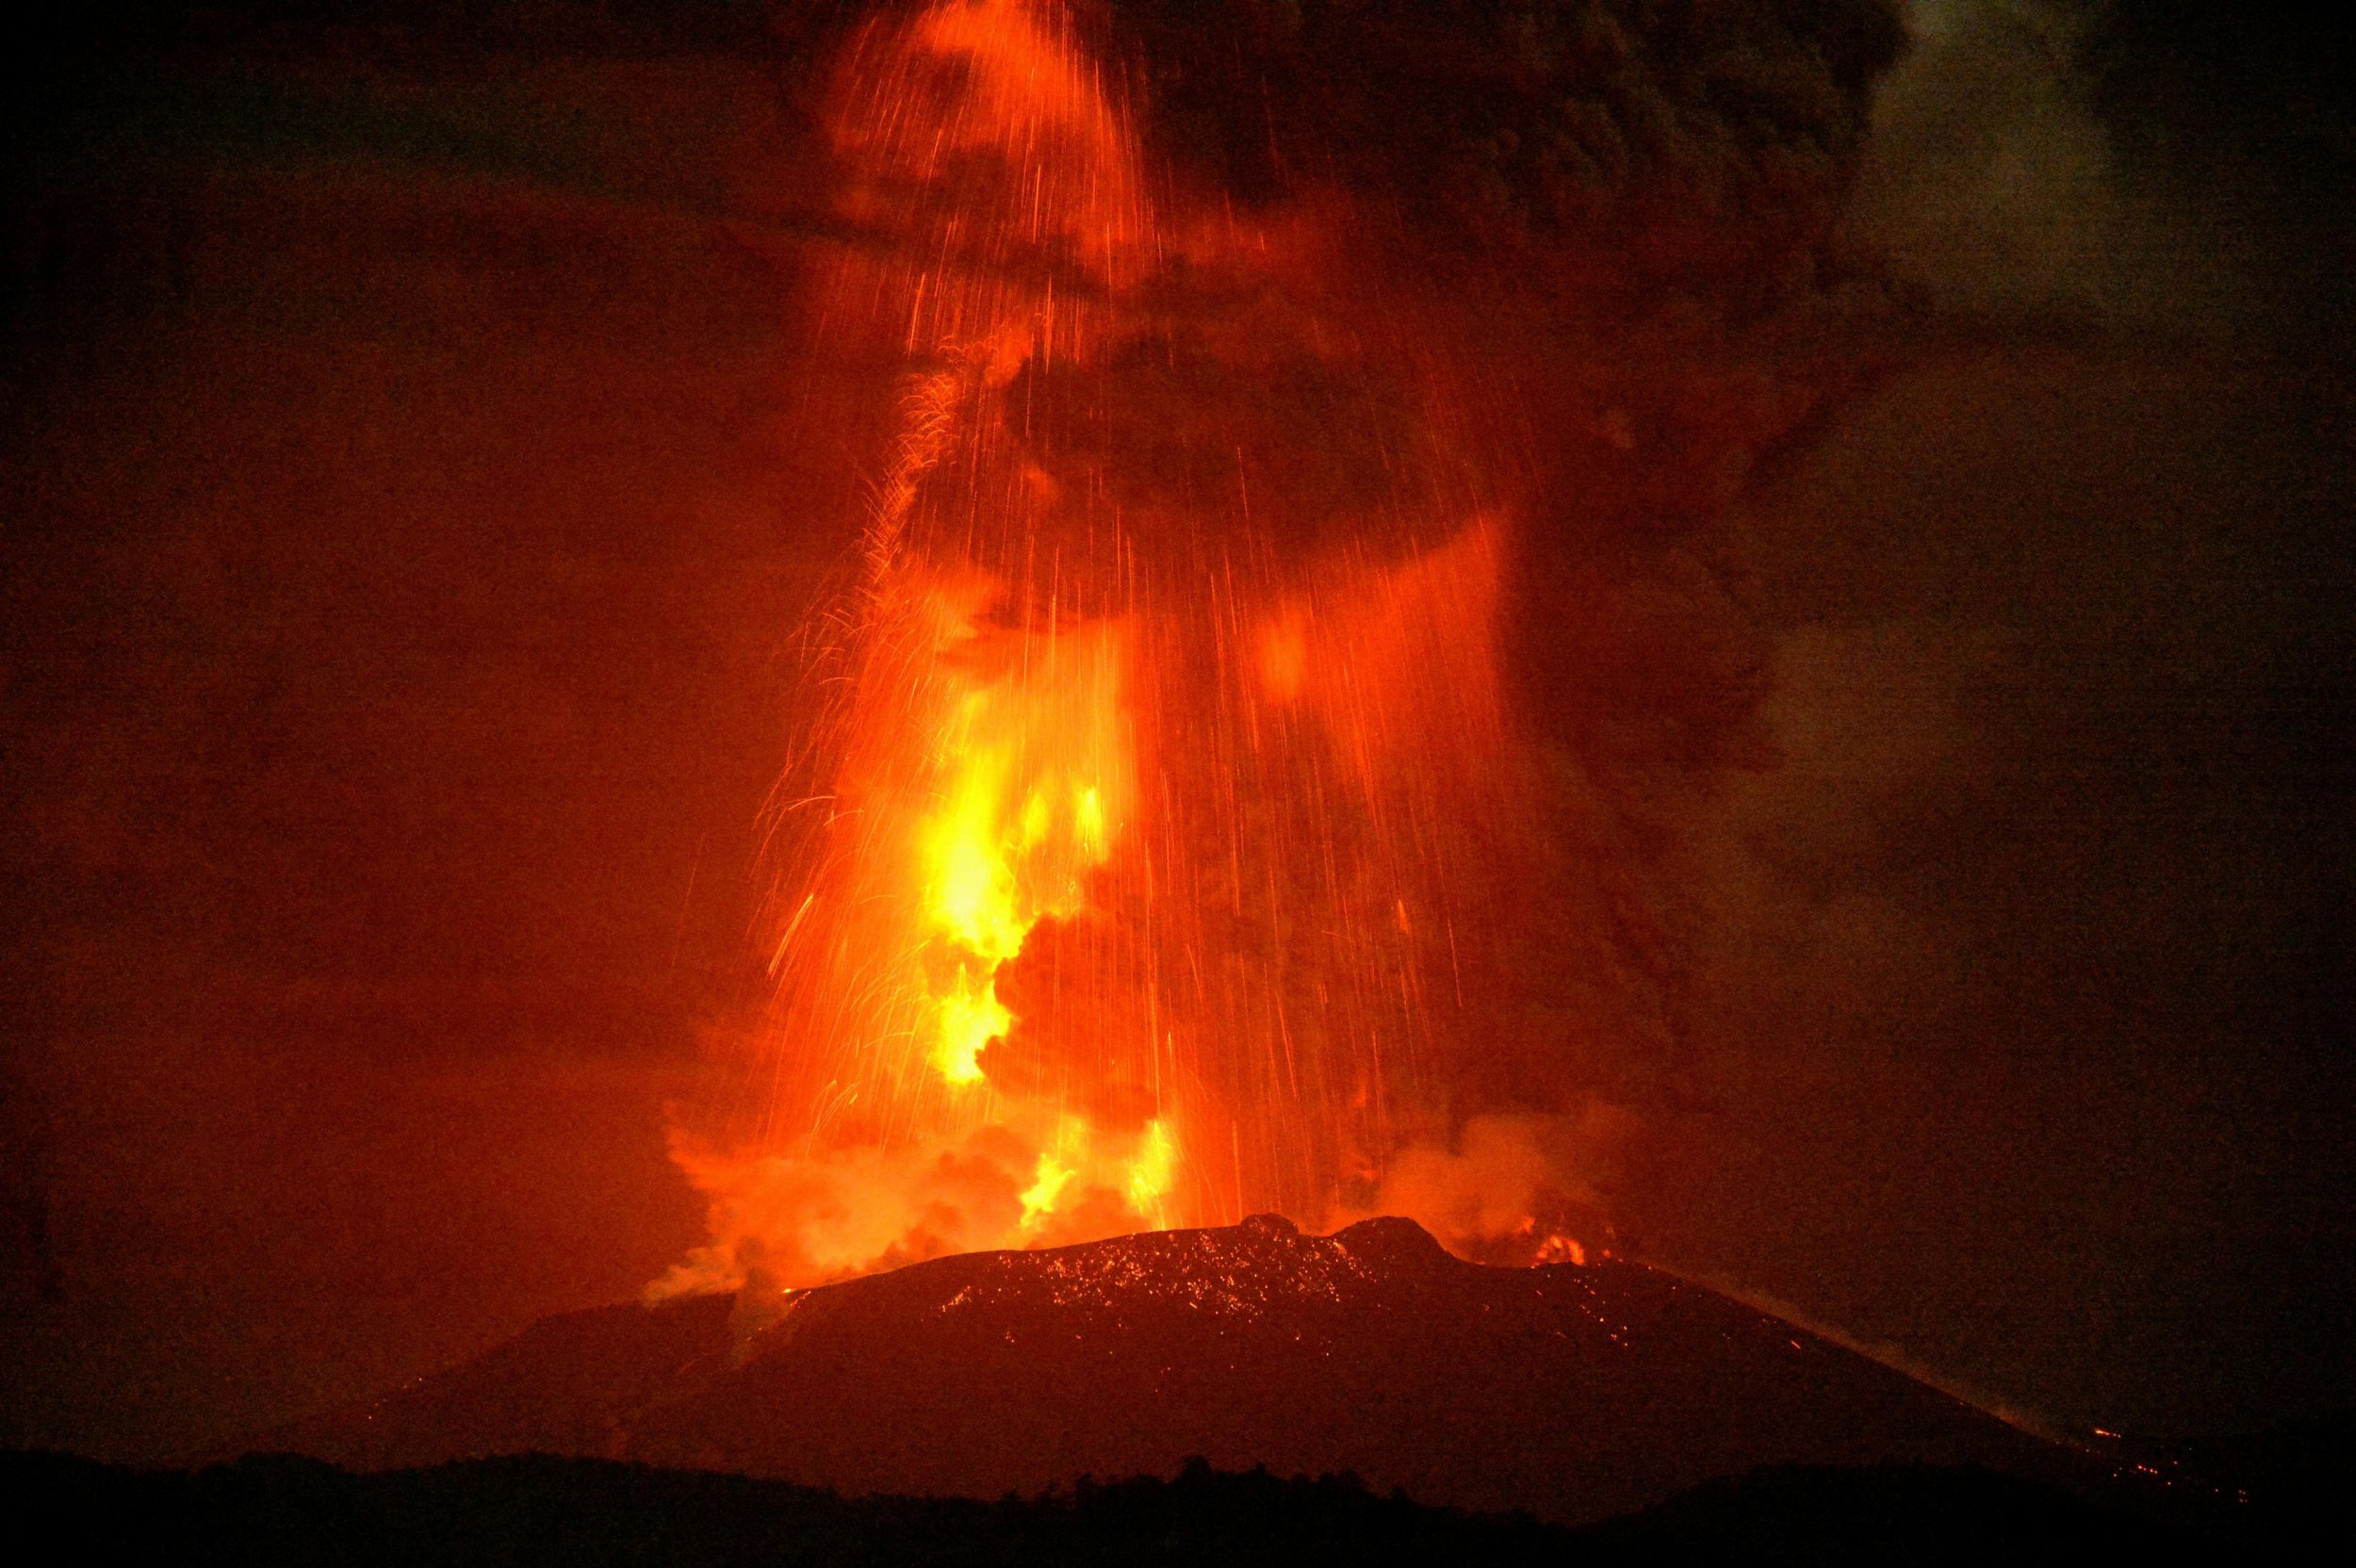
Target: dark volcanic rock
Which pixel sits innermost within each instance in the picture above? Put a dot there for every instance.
(578, 1383)
(1572, 1391)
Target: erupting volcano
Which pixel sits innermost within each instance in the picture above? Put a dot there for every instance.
(1148, 897)
(1123, 886)
(773, 764)
(1570, 1392)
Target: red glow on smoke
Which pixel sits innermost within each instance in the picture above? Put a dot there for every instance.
(1161, 732)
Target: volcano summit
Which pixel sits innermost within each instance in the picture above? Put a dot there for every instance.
(1574, 1392)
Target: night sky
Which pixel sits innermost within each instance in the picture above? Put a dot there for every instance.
(417, 475)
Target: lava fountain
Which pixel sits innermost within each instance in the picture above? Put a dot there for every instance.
(1161, 770)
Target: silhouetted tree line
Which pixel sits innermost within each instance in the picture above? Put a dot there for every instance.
(535, 1509)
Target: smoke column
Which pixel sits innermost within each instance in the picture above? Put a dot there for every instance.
(1163, 751)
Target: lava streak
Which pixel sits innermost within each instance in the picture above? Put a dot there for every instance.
(1162, 745)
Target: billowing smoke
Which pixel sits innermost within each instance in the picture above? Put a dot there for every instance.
(2005, 959)
(1620, 227)
(1914, 483)
(1379, 446)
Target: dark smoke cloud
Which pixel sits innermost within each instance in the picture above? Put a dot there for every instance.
(2029, 955)
(1615, 229)
(2201, 87)
(1939, 689)
(2178, 169)
(1686, 137)
(1934, 668)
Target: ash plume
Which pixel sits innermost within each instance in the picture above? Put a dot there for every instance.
(1431, 386)
(1648, 203)
(1916, 481)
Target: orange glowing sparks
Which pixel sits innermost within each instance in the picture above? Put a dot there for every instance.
(1139, 847)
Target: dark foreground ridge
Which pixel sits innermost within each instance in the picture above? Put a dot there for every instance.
(536, 1509)
(1567, 1392)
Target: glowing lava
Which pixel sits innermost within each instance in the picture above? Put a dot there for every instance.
(1163, 741)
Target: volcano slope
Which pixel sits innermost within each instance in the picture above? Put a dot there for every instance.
(1572, 1391)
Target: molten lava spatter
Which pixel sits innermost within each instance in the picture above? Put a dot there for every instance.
(1164, 741)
